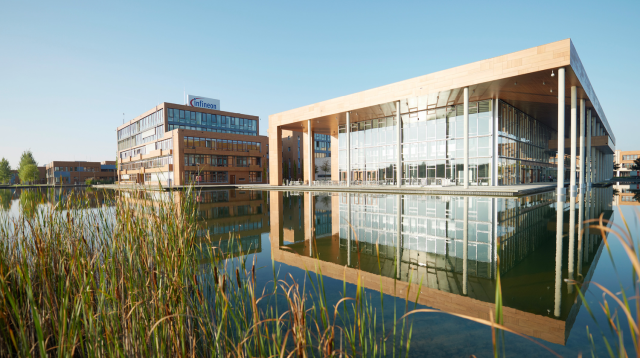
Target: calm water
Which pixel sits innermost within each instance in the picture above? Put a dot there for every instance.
(449, 244)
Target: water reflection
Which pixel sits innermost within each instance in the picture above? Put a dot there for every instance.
(450, 244)
(28, 200)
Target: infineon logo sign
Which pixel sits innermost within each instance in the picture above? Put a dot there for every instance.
(203, 102)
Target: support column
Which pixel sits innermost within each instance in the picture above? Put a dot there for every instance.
(587, 176)
(349, 228)
(600, 166)
(348, 177)
(496, 158)
(560, 190)
(275, 156)
(572, 183)
(582, 187)
(466, 138)
(399, 236)
(558, 271)
(573, 134)
(310, 224)
(310, 165)
(581, 176)
(465, 245)
(560, 194)
(399, 147)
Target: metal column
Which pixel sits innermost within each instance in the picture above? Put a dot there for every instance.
(399, 236)
(581, 177)
(573, 134)
(399, 147)
(466, 138)
(588, 151)
(465, 245)
(560, 193)
(348, 149)
(349, 228)
(560, 189)
(312, 175)
(572, 183)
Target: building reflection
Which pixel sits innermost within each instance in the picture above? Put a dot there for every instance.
(450, 245)
(230, 220)
(222, 214)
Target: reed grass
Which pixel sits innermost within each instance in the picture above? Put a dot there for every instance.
(133, 279)
(619, 306)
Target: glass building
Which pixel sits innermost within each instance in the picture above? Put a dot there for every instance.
(495, 122)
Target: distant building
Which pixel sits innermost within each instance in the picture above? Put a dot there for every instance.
(626, 160)
(42, 178)
(77, 172)
(292, 153)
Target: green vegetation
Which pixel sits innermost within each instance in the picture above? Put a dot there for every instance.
(134, 280)
(28, 168)
(636, 164)
(5, 171)
(622, 311)
(5, 199)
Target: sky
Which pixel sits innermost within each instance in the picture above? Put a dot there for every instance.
(70, 72)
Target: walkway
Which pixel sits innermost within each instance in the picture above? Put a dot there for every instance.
(508, 190)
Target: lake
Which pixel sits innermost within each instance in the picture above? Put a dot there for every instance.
(443, 247)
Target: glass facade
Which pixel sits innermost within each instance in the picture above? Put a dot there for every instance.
(434, 225)
(193, 120)
(523, 148)
(432, 146)
(321, 145)
(142, 131)
(221, 144)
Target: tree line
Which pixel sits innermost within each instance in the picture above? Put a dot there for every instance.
(27, 169)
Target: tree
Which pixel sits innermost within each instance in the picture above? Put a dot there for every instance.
(28, 167)
(5, 171)
(326, 166)
(29, 173)
(636, 164)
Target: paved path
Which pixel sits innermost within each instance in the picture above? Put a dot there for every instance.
(507, 190)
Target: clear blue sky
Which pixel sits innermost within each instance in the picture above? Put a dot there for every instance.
(69, 70)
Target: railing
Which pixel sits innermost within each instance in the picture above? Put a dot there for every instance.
(407, 182)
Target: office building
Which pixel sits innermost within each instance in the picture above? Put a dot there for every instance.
(292, 161)
(625, 161)
(78, 172)
(174, 144)
(500, 121)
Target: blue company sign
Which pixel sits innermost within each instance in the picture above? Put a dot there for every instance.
(203, 102)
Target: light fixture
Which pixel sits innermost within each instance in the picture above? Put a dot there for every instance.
(552, 74)
(551, 90)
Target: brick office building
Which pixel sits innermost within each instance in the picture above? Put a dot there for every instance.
(77, 172)
(625, 159)
(174, 144)
(292, 162)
